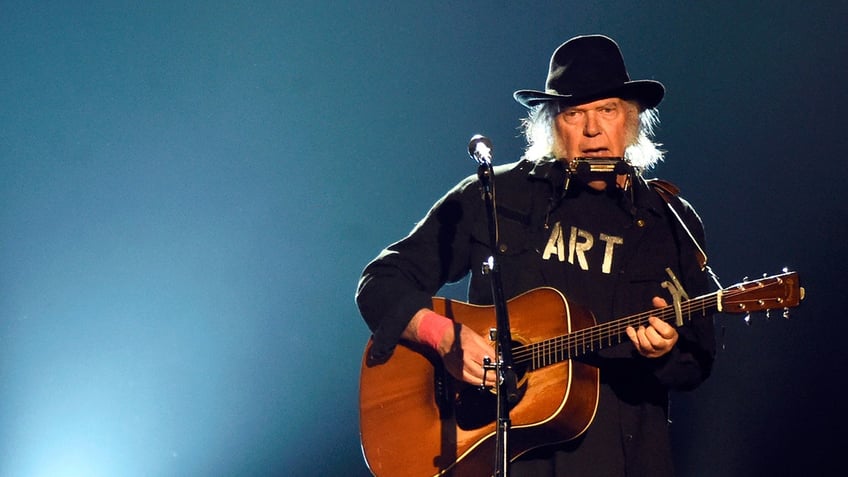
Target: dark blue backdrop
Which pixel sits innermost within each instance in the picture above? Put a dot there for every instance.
(189, 191)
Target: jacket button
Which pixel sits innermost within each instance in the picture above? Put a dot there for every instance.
(640, 223)
(502, 248)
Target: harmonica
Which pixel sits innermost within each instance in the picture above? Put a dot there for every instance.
(584, 165)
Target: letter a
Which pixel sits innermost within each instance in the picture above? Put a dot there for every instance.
(556, 244)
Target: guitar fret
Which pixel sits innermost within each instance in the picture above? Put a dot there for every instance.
(543, 354)
(565, 354)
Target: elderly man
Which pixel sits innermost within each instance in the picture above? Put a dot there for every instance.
(574, 214)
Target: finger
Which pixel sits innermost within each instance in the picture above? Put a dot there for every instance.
(638, 338)
(631, 333)
(661, 333)
(645, 343)
(475, 370)
(478, 375)
(661, 328)
(651, 336)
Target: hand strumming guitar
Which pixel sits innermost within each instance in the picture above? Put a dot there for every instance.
(463, 357)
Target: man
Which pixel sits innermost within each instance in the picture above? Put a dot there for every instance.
(605, 238)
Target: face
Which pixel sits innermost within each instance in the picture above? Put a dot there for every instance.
(602, 128)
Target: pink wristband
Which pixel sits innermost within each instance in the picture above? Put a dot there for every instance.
(432, 328)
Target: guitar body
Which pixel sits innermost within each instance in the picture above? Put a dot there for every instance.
(416, 420)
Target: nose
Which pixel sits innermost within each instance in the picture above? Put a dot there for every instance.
(591, 128)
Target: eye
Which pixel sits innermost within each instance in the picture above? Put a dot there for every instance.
(572, 115)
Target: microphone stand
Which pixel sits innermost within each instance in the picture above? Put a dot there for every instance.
(506, 388)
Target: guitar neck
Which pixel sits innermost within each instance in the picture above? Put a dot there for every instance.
(779, 291)
(588, 340)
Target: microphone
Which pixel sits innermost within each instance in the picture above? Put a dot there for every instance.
(480, 149)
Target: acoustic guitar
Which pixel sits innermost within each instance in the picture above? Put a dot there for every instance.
(416, 420)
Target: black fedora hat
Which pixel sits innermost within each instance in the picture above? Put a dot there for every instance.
(587, 68)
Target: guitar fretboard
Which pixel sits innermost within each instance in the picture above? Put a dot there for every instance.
(579, 343)
(780, 291)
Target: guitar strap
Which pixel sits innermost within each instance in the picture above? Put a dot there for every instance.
(669, 192)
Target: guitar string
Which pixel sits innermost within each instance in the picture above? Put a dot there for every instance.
(576, 344)
(569, 346)
(592, 338)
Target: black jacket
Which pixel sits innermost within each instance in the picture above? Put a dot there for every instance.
(619, 276)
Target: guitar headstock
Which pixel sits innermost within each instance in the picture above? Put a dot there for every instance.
(782, 291)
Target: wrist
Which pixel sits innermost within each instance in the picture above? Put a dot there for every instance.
(432, 328)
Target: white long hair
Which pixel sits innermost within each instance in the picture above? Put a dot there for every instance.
(538, 127)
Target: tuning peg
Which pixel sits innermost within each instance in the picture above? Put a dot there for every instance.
(786, 313)
(747, 318)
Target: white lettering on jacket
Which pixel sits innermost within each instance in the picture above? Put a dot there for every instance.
(579, 243)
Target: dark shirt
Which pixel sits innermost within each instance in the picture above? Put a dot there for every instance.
(607, 251)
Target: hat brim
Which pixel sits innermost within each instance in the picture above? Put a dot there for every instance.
(648, 93)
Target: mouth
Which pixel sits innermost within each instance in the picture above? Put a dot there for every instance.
(595, 152)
